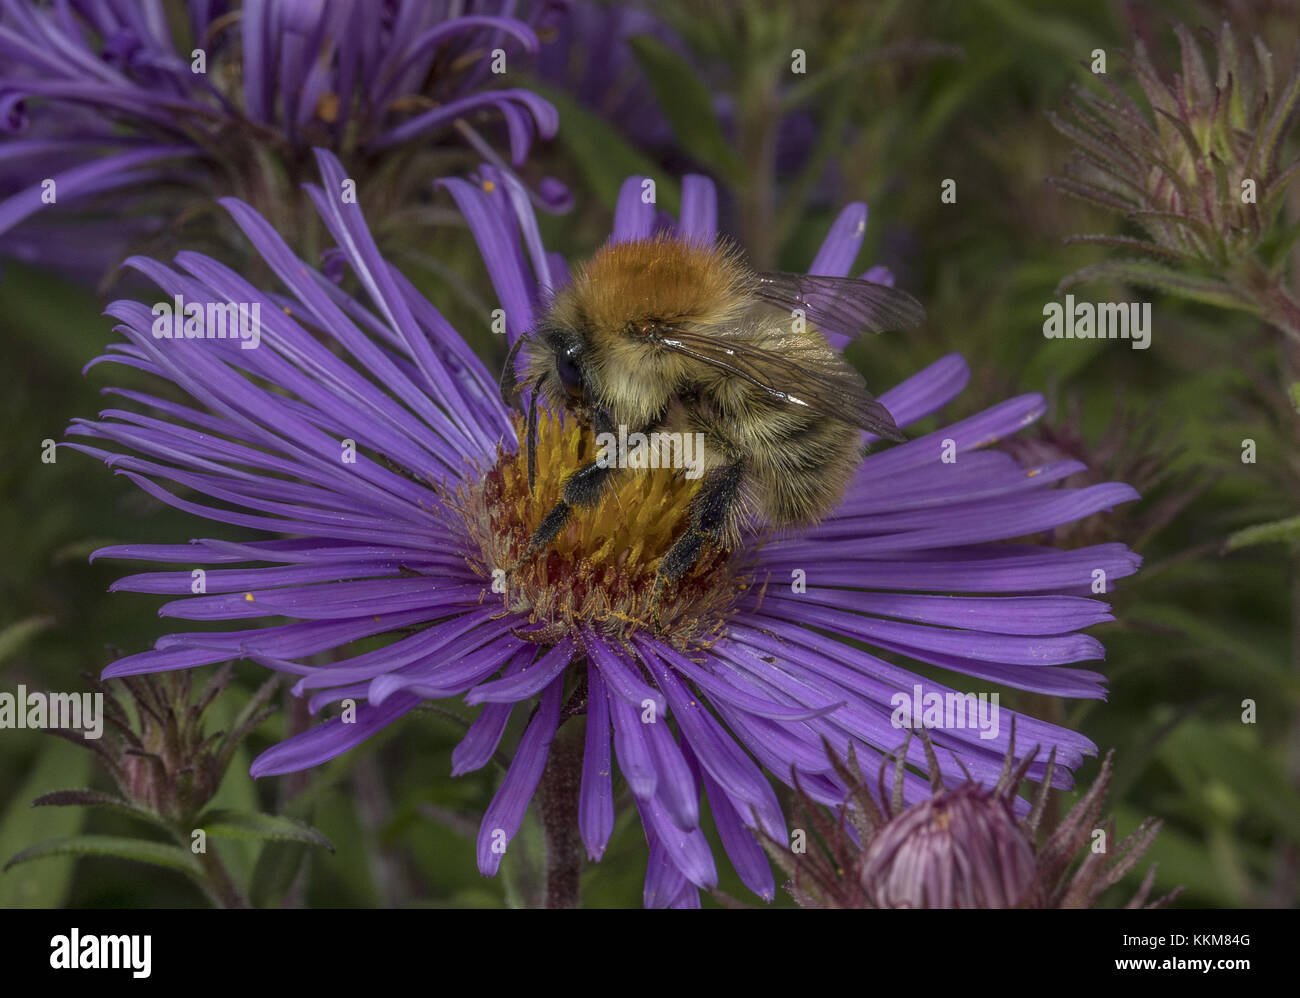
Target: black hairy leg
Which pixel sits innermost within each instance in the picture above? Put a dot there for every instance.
(581, 490)
(710, 512)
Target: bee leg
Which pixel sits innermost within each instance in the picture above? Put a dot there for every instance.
(711, 510)
(582, 490)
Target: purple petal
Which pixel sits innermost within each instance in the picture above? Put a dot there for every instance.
(636, 760)
(527, 681)
(699, 220)
(333, 738)
(484, 735)
(633, 217)
(675, 789)
(688, 850)
(738, 840)
(596, 797)
(506, 812)
(842, 243)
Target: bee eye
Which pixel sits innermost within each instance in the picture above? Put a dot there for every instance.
(570, 377)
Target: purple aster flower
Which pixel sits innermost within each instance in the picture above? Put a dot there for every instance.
(369, 442)
(126, 103)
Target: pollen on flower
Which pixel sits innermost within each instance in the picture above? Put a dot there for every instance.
(327, 108)
(600, 570)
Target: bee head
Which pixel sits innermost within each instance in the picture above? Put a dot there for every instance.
(556, 369)
(557, 366)
(570, 356)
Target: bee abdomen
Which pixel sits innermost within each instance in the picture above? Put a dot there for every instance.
(800, 475)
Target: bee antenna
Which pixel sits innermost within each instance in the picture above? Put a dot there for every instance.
(509, 385)
(531, 436)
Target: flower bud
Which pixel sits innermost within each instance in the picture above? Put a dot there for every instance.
(962, 848)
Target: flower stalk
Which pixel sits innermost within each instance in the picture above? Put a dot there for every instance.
(558, 805)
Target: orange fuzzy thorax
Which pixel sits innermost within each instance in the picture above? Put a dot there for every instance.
(664, 278)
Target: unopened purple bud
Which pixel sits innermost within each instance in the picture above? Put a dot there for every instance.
(962, 848)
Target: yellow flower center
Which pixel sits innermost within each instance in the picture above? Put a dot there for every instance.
(600, 571)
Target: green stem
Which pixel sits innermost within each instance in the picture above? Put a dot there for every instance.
(217, 883)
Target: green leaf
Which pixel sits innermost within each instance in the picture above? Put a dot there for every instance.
(835, 73)
(1152, 275)
(1045, 30)
(603, 154)
(225, 823)
(1276, 246)
(1091, 193)
(1228, 655)
(687, 103)
(1274, 128)
(279, 864)
(1055, 362)
(940, 110)
(235, 791)
(96, 798)
(1287, 530)
(1224, 755)
(138, 850)
(249, 717)
(46, 885)
(26, 296)
(1181, 860)
(277, 867)
(1129, 243)
(17, 634)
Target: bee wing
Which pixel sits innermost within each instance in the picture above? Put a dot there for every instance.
(841, 304)
(827, 386)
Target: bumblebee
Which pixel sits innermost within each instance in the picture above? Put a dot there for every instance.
(667, 335)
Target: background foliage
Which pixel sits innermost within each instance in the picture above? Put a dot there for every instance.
(897, 98)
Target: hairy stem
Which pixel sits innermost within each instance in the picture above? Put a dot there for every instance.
(559, 811)
(1283, 313)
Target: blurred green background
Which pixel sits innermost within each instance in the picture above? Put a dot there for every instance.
(898, 97)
